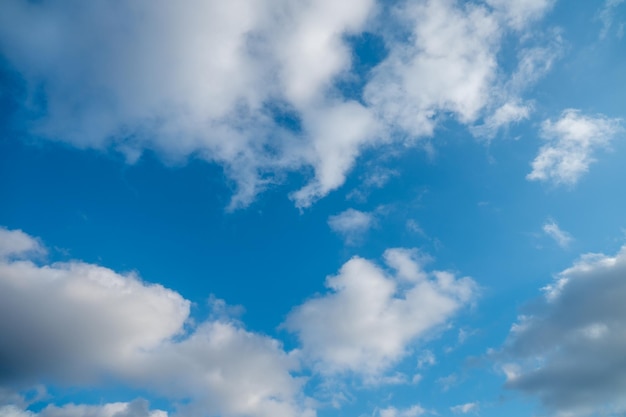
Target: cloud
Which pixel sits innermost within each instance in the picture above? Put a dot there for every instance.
(571, 144)
(255, 85)
(370, 318)
(15, 243)
(351, 224)
(202, 79)
(79, 324)
(509, 112)
(569, 351)
(413, 411)
(520, 13)
(561, 237)
(464, 408)
(606, 15)
(449, 66)
(137, 408)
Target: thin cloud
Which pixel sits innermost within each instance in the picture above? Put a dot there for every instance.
(561, 237)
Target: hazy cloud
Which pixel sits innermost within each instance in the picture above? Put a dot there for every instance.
(561, 237)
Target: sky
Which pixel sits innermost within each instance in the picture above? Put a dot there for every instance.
(290, 208)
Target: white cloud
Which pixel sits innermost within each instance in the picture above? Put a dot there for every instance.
(18, 243)
(210, 79)
(351, 224)
(464, 408)
(519, 13)
(369, 319)
(561, 237)
(571, 144)
(413, 411)
(74, 322)
(607, 17)
(569, 352)
(137, 408)
(449, 66)
(196, 78)
(509, 112)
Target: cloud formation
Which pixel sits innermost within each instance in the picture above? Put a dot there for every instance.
(571, 143)
(137, 408)
(569, 352)
(74, 323)
(255, 86)
(370, 318)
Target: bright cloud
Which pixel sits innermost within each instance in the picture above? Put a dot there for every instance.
(569, 353)
(571, 144)
(17, 243)
(74, 322)
(213, 80)
(370, 318)
(561, 237)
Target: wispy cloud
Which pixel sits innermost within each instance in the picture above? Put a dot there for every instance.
(464, 408)
(561, 237)
(352, 224)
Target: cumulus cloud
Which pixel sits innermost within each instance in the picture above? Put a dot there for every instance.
(74, 322)
(202, 78)
(569, 351)
(218, 80)
(572, 141)
(370, 318)
(561, 237)
(351, 224)
(448, 66)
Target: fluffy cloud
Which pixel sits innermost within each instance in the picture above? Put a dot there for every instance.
(253, 85)
(74, 322)
(203, 78)
(370, 318)
(572, 141)
(561, 237)
(449, 66)
(569, 351)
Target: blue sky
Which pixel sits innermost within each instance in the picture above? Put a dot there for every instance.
(286, 208)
